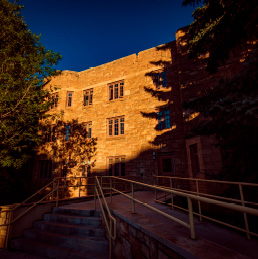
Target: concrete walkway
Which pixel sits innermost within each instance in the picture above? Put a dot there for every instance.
(212, 240)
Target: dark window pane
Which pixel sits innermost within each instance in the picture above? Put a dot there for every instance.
(121, 89)
(122, 125)
(167, 119)
(86, 99)
(160, 127)
(67, 132)
(116, 91)
(110, 131)
(164, 79)
(116, 127)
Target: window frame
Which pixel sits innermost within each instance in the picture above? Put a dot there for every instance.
(89, 93)
(120, 128)
(67, 99)
(160, 79)
(50, 134)
(164, 119)
(89, 133)
(54, 100)
(67, 132)
(115, 90)
(113, 166)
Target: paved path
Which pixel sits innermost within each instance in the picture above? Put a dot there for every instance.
(212, 240)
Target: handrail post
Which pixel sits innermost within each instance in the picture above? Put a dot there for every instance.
(95, 193)
(191, 218)
(245, 216)
(111, 189)
(110, 240)
(57, 193)
(155, 189)
(133, 203)
(199, 203)
(172, 198)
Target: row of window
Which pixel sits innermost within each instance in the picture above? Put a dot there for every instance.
(115, 91)
(115, 127)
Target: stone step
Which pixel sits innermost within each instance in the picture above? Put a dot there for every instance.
(52, 251)
(97, 243)
(76, 220)
(69, 229)
(74, 212)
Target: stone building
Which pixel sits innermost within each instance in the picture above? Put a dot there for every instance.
(133, 106)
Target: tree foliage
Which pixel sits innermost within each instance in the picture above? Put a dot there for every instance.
(25, 67)
(232, 106)
(68, 144)
(220, 26)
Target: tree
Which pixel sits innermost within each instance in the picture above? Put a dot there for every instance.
(71, 148)
(69, 144)
(221, 27)
(26, 67)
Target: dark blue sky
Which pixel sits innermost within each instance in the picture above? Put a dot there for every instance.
(91, 33)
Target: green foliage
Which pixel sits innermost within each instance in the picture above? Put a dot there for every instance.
(25, 67)
(220, 26)
(231, 108)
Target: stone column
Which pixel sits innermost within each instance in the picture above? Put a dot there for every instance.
(5, 217)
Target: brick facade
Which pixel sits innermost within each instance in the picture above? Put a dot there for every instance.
(146, 148)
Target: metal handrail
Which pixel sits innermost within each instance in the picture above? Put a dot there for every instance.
(111, 234)
(242, 201)
(54, 189)
(189, 197)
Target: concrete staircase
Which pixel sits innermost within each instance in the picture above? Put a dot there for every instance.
(66, 233)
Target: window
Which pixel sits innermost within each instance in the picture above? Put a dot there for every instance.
(67, 132)
(54, 100)
(87, 97)
(50, 134)
(88, 128)
(45, 168)
(194, 159)
(163, 119)
(69, 99)
(116, 90)
(116, 126)
(160, 79)
(116, 166)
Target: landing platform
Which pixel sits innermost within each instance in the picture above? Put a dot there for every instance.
(212, 241)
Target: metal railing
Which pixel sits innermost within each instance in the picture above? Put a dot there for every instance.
(51, 193)
(172, 192)
(201, 187)
(111, 225)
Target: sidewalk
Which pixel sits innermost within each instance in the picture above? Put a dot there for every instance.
(213, 241)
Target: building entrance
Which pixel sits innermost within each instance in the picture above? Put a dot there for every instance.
(166, 162)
